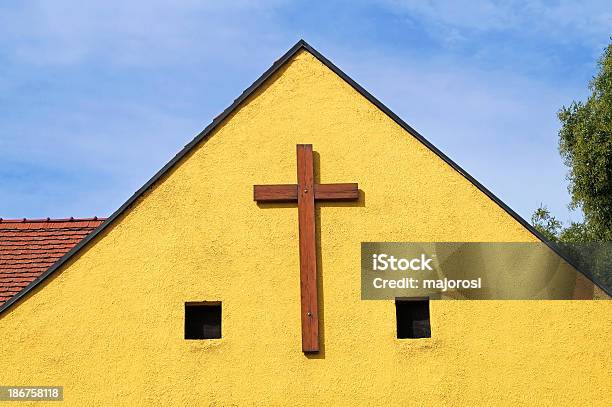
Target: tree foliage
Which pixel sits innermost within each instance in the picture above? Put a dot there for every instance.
(585, 143)
(552, 229)
(546, 224)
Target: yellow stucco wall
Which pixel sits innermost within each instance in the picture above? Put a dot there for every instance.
(109, 326)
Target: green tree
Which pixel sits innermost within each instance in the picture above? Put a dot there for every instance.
(546, 224)
(552, 229)
(585, 143)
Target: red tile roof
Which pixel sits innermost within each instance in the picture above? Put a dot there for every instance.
(28, 247)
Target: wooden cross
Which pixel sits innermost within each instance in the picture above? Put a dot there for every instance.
(306, 192)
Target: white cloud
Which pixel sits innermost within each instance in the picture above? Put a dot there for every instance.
(564, 20)
(131, 32)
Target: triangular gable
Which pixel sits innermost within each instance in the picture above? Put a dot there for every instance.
(300, 45)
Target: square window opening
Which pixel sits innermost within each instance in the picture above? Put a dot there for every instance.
(202, 320)
(412, 315)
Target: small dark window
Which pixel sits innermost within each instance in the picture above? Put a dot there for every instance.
(203, 320)
(412, 318)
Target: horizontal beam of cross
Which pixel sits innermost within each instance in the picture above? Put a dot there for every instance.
(289, 192)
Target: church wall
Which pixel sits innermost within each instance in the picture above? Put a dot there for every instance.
(109, 325)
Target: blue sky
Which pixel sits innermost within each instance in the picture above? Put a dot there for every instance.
(95, 97)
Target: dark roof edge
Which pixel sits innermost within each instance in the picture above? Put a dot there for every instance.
(301, 44)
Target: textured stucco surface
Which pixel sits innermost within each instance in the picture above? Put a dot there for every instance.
(109, 326)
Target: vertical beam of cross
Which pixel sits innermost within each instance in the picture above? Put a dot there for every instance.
(305, 193)
(308, 251)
